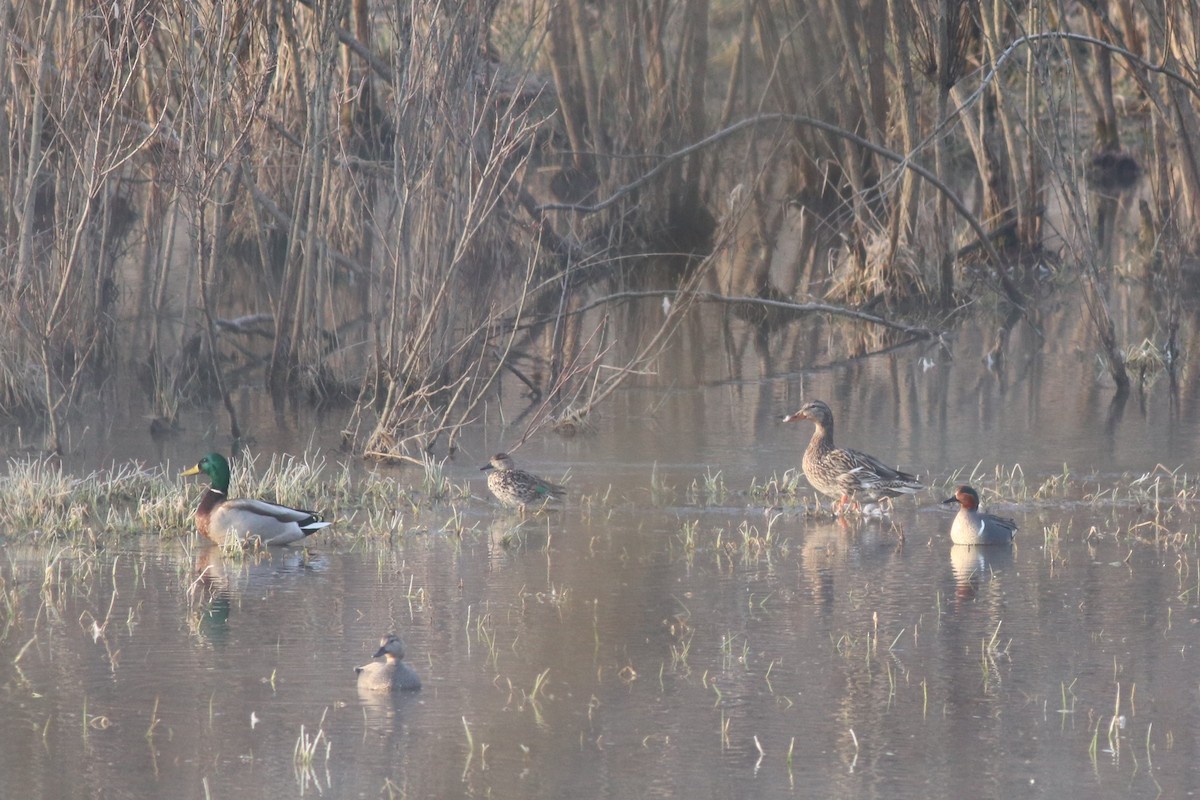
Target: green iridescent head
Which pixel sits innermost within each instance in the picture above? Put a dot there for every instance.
(216, 468)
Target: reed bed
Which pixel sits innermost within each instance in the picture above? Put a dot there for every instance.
(395, 210)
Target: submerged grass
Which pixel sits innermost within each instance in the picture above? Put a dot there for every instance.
(748, 542)
(778, 489)
(1161, 486)
(41, 501)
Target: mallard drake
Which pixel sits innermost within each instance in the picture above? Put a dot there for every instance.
(843, 473)
(516, 488)
(391, 674)
(972, 527)
(248, 521)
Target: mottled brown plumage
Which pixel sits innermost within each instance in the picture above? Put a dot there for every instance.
(848, 475)
(516, 488)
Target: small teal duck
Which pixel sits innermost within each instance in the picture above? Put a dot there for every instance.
(972, 527)
(846, 474)
(391, 674)
(516, 488)
(247, 521)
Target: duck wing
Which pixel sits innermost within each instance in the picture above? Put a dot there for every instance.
(865, 472)
(269, 523)
(1004, 522)
(543, 487)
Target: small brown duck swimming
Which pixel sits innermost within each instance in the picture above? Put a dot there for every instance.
(224, 521)
(391, 674)
(516, 488)
(972, 527)
(846, 474)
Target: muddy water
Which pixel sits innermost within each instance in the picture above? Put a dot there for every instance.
(657, 637)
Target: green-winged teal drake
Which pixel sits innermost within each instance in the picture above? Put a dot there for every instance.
(972, 527)
(516, 488)
(391, 674)
(848, 475)
(225, 521)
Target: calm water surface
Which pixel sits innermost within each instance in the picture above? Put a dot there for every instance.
(656, 637)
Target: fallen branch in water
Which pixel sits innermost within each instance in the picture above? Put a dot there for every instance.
(783, 305)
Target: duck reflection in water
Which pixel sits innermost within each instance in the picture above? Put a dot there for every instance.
(975, 566)
(221, 580)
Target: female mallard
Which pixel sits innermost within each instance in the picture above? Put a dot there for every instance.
(972, 527)
(516, 488)
(391, 674)
(247, 521)
(843, 473)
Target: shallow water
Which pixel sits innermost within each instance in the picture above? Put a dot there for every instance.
(859, 663)
(657, 637)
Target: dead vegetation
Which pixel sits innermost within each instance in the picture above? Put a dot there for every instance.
(394, 208)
